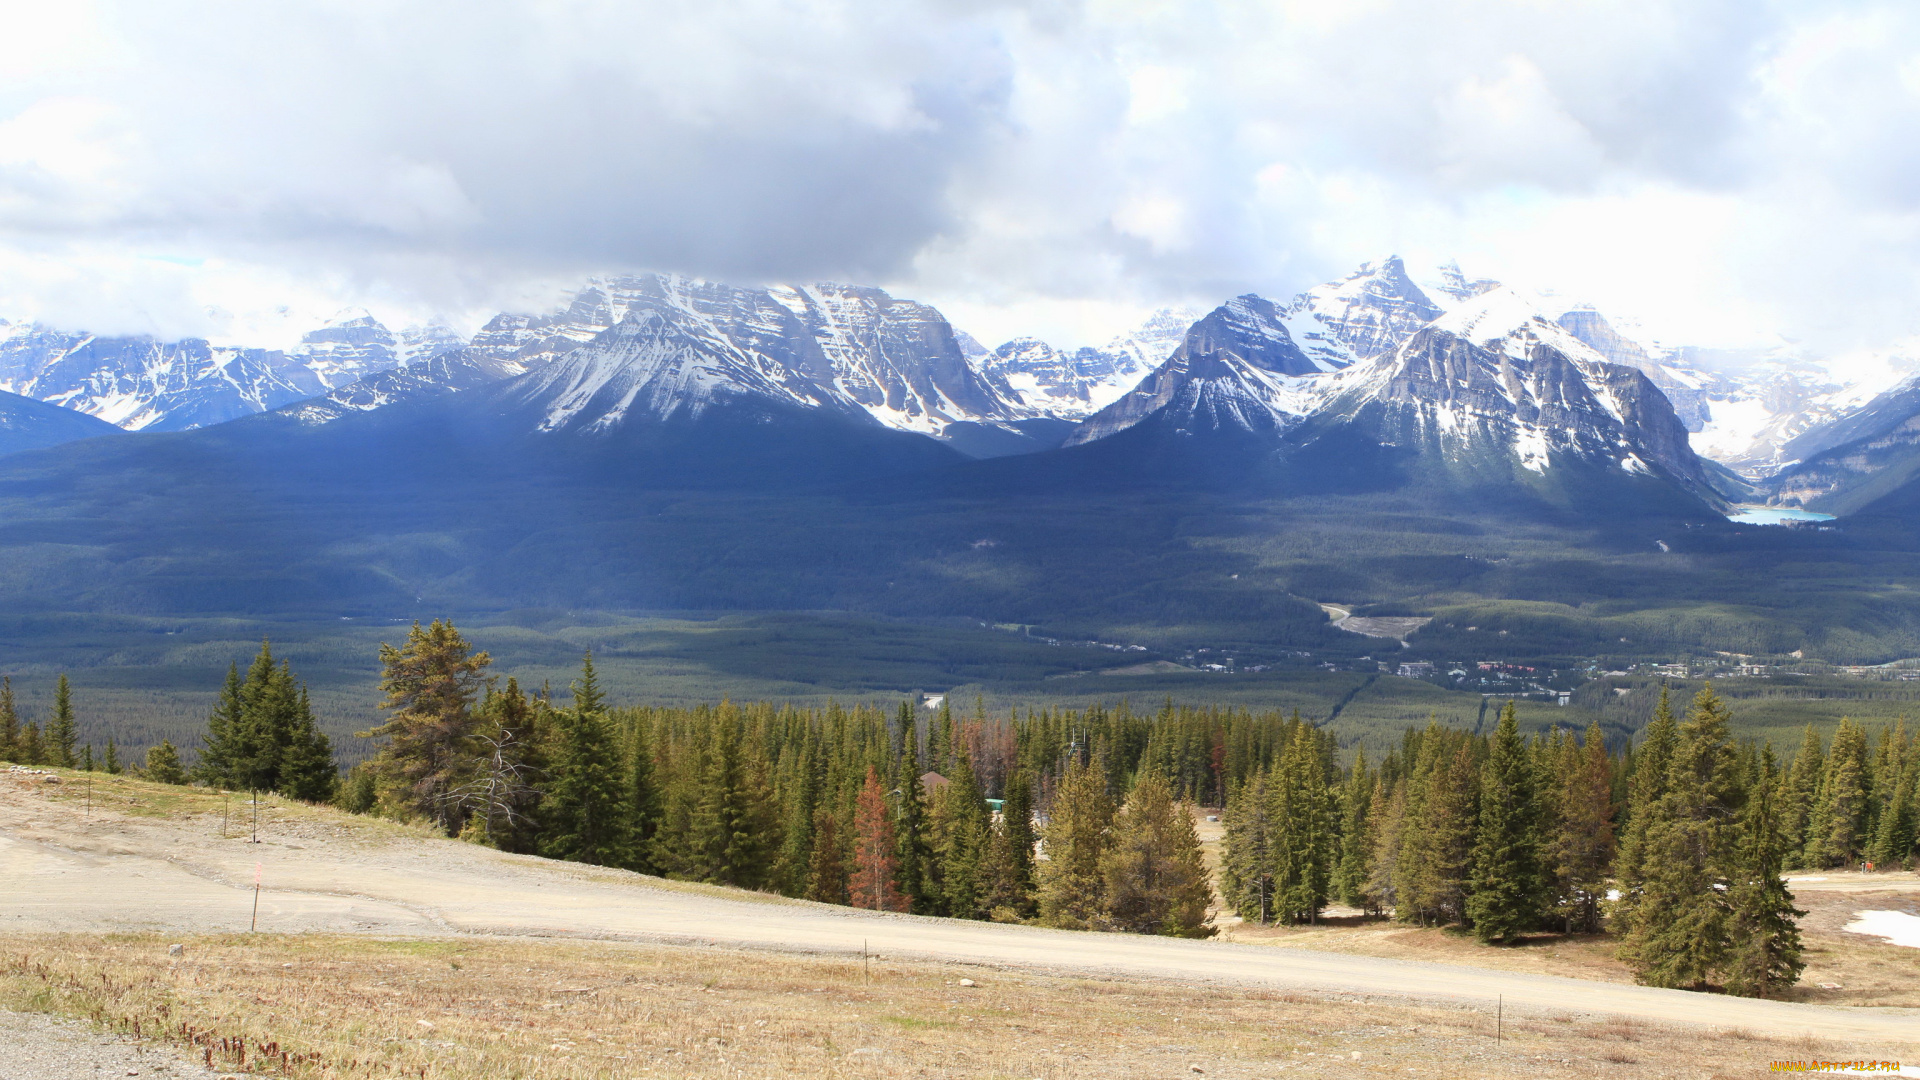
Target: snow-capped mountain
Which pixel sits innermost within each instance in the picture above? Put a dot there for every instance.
(444, 371)
(1236, 368)
(1072, 386)
(143, 384)
(139, 383)
(1365, 315)
(682, 346)
(1488, 390)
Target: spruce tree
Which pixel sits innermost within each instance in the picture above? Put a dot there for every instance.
(1505, 887)
(826, 861)
(430, 684)
(1437, 831)
(1582, 848)
(1765, 953)
(1356, 803)
(733, 819)
(1010, 855)
(1646, 787)
(1797, 793)
(643, 801)
(584, 812)
(1072, 889)
(1155, 881)
(222, 749)
(1304, 843)
(1386, 822)
(1836, 827)
(1680, 933)
(306, 769)
(871, 884)
(1246, 855)
(9, 724)
(61, 733)
(1894, 835)
(86, 759)
(163, 765)
(913, 853)
(33, 750)
(111, 761)
(960, 829)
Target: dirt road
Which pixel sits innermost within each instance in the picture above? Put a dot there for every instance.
(324, 872)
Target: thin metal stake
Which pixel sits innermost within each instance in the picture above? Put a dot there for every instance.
(1499, 1016)
(255, 924)
(866, 963)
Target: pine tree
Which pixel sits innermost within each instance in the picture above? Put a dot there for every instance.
(1304, 843)
(1155, 881)
(268, 702)
(1505, 897)
(1765, 953)
(872, 882)
(1010, 855)
(643, 802)
(33, 751)
(218, 758)
(1436, 846)
(61, 733)
(913, 854)
(111, 761)
(9, 724)
(86, 759)
(1680, 933)
(306, 768)
(163, 765)
(1246, 856)
(1836, 827)
(585, 809)
(1797, 794)
(1646, 787)
(1894, 835)
(826, 863)
(733, 820)
(1386, 821)
(1582, 848)
(1072, 890)
(959, 829)
(1356, 802)
(430, 684)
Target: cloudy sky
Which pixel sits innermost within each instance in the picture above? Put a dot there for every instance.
(1724, 171)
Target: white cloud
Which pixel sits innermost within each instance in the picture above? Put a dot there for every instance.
(1722, 170)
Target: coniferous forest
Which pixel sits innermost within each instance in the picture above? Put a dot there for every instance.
(1675, 846)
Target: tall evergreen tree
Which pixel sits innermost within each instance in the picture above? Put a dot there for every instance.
(959, 831)
(913, 853)
(9, 724)
(1246, 855)
(1581, 851)
(1386, 821)
(1765, 946)
(430, 684)
(1155, 880)
(1437, 831)
(1505, 894)
(1679, 934)
(110, 762)
(585, 812)
(222, 750)
(1797, 793)
(872, 883)
(1010, 854)
(733, 821)
(1356, 803)
(826, 859)
(61, 732)
(1072, 889)
(1646, 787)
(1837, 825)
(1304, 842)
(306, 769)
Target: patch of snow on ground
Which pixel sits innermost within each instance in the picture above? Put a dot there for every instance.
(1898, 927)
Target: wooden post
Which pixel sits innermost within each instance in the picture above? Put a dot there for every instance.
(1499, 1017)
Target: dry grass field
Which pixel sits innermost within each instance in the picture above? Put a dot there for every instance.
(321, 1006)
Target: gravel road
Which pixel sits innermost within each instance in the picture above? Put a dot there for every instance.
(36, 1047)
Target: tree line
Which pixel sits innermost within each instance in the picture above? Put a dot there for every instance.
(55, 744)
(1679, 844)
(1084, 818)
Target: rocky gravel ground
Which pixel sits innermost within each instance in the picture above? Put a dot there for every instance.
(34, 1047)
